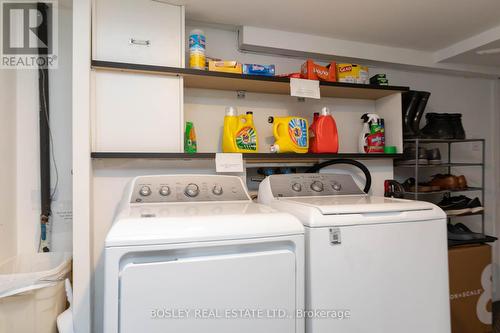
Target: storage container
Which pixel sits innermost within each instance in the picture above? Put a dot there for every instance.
(138, 31)
(137, 113)
(32, 292)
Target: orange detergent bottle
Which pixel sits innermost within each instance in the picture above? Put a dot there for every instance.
(323, 133)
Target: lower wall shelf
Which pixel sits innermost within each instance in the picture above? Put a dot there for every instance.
(249, 158)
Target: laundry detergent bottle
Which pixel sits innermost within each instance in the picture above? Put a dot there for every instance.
(290, 135)
(240, 135)
(323, 133)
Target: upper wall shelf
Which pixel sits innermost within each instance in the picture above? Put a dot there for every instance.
(194, 78)
(249, 158)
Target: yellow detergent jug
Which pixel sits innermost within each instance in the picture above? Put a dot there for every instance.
(240, 135)
(290, 134)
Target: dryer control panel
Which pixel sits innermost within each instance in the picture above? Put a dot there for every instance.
(187, 188)
(312, 184)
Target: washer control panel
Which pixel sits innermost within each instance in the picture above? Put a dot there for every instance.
(187, 188)
(312, 184)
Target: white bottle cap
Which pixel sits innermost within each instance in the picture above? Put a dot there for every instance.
(275, 148)
(325, 111)
(231, 111)
(197, 32)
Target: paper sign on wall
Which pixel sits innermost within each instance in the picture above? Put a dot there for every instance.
(304, 88)
(228, 162)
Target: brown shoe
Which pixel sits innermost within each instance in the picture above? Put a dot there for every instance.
(462, 182)
(409, 185)
(445, 182)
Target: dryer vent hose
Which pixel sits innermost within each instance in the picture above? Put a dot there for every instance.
(368, 177)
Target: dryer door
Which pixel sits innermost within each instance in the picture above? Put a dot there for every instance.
(244, 292)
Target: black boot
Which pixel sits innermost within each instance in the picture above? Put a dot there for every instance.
(410, 101)
(456, 124)
(419, 112)
(438, 126)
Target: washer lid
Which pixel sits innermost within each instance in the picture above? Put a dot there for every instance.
(154, 224)
(358, 204)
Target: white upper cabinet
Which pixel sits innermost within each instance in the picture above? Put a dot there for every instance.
(137, 113)
(138, 31)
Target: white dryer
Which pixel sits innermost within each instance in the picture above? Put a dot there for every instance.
(373, 264)
(193, 253)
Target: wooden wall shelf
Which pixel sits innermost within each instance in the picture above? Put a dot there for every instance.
(194, 78)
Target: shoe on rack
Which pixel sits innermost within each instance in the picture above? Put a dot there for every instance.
(438, 126)
(475, 206)
(462, 183)
(410, 156)
(445, 182)
(410, 101)
(454, 206)
(434, 156)
(487, 239)
(461, 233)
(393, 189)
(456, 124)
(419, 112)
(409, 186)
(460, 205)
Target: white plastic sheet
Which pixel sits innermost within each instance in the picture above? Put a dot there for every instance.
(33, 271)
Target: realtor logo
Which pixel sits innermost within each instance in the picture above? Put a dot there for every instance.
(29, 34)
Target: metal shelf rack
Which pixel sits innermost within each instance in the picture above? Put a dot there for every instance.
(449, 165)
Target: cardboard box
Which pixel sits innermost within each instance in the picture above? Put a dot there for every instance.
(352, 73)
(225, 66)
(255, 69)
(470, 288)
(311, 71)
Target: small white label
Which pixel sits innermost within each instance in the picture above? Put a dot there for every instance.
(335, 237)
(228, 162)
(304, 88)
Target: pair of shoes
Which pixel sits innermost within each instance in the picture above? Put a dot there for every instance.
(414, 103)
(423, 157)
(443, 126)
(409, 186)
(460, 205)
(461, 233)
(449, 182)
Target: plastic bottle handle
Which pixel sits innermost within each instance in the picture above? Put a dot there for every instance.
(276, 129)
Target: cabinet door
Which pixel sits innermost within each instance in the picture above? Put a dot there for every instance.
(137, 113)
(138, 31)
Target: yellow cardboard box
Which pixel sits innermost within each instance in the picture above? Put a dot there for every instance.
(225, 66)
(352, 73)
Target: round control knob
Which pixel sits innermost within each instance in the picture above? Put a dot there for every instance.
(192, 190)
(145, 191)
(296, 187)
(164, 191)
(317, 186)
(217, 190)
(336, 187)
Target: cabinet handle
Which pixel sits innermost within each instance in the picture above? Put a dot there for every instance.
(142, 42)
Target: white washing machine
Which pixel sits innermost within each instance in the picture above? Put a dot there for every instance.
(377, 265)
(193, 253)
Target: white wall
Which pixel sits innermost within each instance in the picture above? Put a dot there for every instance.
(60, 99)
(7, 163)
(27, 143)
